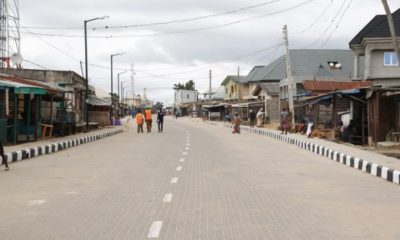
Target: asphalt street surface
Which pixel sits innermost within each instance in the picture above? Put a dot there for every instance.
(193, 181)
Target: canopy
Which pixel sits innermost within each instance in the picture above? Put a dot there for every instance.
(20, 88)
(96, 101)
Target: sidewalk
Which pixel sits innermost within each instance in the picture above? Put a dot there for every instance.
(372, 163)
(48, 146)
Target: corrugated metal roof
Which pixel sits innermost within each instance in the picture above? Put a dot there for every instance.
(306, 62)
(333, 86)
(96, 101)
(241, 79)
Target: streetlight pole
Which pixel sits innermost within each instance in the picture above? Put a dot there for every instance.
(86, 69)
(122, 92)
(112, 83)
(119, 96)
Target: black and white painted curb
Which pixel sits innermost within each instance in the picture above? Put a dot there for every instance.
(374, 169)
(55, 147)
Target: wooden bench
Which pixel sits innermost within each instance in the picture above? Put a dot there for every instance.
(396, 136)
(44, 130)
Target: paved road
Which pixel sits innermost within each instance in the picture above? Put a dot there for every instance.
(194, 181)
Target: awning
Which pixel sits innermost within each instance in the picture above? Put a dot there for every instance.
(96, 101)
(216, 106)
(20, 88)
(247, 104)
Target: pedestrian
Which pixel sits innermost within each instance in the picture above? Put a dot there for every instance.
(149, 119)
(284, 121)
(310, 121)
(139, 121)
(3, 157)
(260, 117)
(252, 116)
(236, 123)
(160, 120)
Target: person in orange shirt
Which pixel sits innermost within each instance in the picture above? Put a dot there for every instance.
(149, 118)
(139, 121)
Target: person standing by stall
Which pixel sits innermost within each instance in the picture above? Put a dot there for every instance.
(260, 116)
(3, 157)
(284, 121)
(149, 119)
(252, 116)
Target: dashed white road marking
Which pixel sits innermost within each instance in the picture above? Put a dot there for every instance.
(179, 168)
(36, 202)
(187, 144)
(174, 180)
(167, 197)
(155, 229)
(186, 148)
(181, 160)
(184, 153)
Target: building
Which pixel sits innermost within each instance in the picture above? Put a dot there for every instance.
(373, 47)
(373, 50)
(233, 87)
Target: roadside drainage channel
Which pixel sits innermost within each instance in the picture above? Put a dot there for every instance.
(391, 175)
(32, 152)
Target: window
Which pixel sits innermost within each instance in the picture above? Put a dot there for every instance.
(187, 96)
(390, 59)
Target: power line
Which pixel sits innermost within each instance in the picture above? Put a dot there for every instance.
(330, 24)
(35, 64)
(337, 25)
(316, 20)
(190, 30)
(184, 20)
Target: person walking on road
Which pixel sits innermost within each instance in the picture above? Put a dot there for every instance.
(149, 119)
(3, 157)
(139, 121)
(252, 116)
(236, 124)
(160, 120)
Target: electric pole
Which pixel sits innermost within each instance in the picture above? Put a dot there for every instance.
(133, 85)
(289, 73)
(392, 28)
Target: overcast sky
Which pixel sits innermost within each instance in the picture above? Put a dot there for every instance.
(52, 36)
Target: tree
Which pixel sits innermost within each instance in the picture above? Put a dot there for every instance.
(190, 85)
(158, 105)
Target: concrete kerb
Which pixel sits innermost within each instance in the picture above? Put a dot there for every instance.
(28, 153)
(391, 175)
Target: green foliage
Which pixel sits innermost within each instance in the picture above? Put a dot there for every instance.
(190, 85)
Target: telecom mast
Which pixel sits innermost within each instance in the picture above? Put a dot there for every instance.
(10, 37)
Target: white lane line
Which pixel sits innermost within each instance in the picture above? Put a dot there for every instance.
(167, 197)
(184, 153)
(187, 144)
(174, 180)
(186, 148)
(155, 229)
(181, 160)
(32, 203)
(179, 168)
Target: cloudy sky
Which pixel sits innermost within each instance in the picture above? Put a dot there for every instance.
(171, 41)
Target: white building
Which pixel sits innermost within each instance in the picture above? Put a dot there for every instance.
(185, 96)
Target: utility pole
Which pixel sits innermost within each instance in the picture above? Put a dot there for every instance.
(289, 73)
(209, 88)
(392, 28)
(133, 85)
(238, 78)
